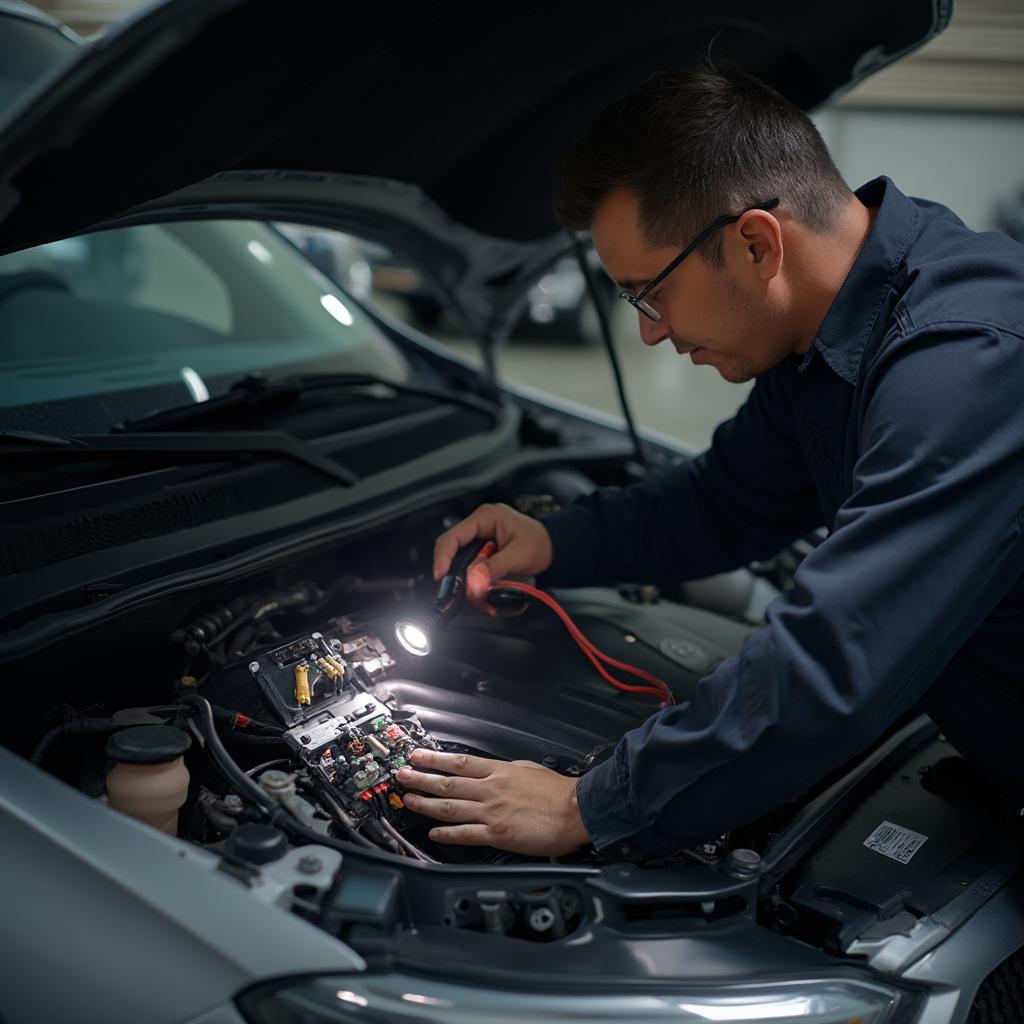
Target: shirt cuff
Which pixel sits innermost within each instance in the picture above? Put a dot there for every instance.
(611, 818)
(571, 533)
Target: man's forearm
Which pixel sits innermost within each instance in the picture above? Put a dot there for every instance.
(660, 529)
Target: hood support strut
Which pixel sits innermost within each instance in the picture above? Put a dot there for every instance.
(606, 337)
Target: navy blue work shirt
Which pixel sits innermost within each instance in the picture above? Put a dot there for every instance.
(902, 431)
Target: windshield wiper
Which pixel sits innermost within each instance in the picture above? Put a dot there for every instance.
(257, 393)
(157, 434)
(94, 446)
(30, 437)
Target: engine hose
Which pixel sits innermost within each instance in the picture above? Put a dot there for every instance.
(75, 727)
(242, 784)
(342, 817)
(410, 848)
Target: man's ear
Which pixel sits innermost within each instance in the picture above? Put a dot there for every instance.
(758, 238)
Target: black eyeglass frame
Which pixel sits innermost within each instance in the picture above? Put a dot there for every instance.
(637, 301)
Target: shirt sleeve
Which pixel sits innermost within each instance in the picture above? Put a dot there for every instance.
(745, 498)
(925, 547)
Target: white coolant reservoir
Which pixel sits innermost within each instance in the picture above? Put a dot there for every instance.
(149, 781)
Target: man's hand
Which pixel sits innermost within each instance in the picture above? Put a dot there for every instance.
(518, 806)
(522, 547)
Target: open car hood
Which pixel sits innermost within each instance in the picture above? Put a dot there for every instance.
(342, 100)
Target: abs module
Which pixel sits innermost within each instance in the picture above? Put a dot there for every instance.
(344, 736)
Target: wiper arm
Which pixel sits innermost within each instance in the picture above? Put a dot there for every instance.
(156, 434)
(221, 442)
(248, 393)
(365, 380)
(20, 438)
(253, 393)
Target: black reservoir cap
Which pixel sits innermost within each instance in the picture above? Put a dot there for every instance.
(258, 844)
(148, 744)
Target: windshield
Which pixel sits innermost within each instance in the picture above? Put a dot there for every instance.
(117, 324)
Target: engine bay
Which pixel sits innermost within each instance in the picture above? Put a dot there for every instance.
(295, 706)
(345, 704)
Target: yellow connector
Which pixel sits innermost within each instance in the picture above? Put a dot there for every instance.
(302, 694)
(332, 672)
(395, 801)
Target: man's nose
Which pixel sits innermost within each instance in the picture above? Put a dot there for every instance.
(652, 332)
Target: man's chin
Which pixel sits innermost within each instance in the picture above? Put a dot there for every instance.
(735, 375)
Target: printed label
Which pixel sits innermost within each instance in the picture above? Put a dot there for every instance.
(895, 842)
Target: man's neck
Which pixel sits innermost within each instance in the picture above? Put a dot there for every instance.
(822, 264)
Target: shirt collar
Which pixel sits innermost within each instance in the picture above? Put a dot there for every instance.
(853, 316)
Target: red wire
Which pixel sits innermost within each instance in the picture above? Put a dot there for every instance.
(657, 688)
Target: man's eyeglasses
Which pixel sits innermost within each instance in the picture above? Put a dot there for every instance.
(639, 301)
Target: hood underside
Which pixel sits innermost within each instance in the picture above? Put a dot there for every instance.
(470, 105)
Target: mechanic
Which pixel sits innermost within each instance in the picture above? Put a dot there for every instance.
(886, 341)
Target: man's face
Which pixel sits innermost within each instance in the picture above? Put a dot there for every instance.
(727, 317)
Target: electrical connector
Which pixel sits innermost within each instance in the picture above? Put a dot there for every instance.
(303, 696)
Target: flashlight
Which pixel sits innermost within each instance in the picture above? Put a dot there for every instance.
(417, 633)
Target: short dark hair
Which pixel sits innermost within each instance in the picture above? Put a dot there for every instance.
(695, 144)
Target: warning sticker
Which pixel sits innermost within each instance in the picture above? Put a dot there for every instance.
(895, 841)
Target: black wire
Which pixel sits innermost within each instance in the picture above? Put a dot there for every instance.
(221, 758)
(252, 772)
(340, 816)
(381, 803)
(77, 726)
(341, 845)
(258, 741)
(606, 338)
(227, 715)
(235, 623)
(411, 848)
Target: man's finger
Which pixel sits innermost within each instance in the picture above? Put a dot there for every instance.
(478, 583)
(466, 765)
(502, 563)
(446, 546)
(479, 524)
(462, 835)
(441, 785)
(443, 809)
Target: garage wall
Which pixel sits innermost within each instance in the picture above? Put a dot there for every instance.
(976, 64)
(86, 16)
(948, 121)
(974, 163)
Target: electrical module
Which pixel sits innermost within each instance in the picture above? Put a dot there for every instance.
(300, 676)
(358, 747)
(345, 735)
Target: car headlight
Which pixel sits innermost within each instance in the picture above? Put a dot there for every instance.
(404, 999)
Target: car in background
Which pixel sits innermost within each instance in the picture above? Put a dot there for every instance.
(223, 474)
(558, 306)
